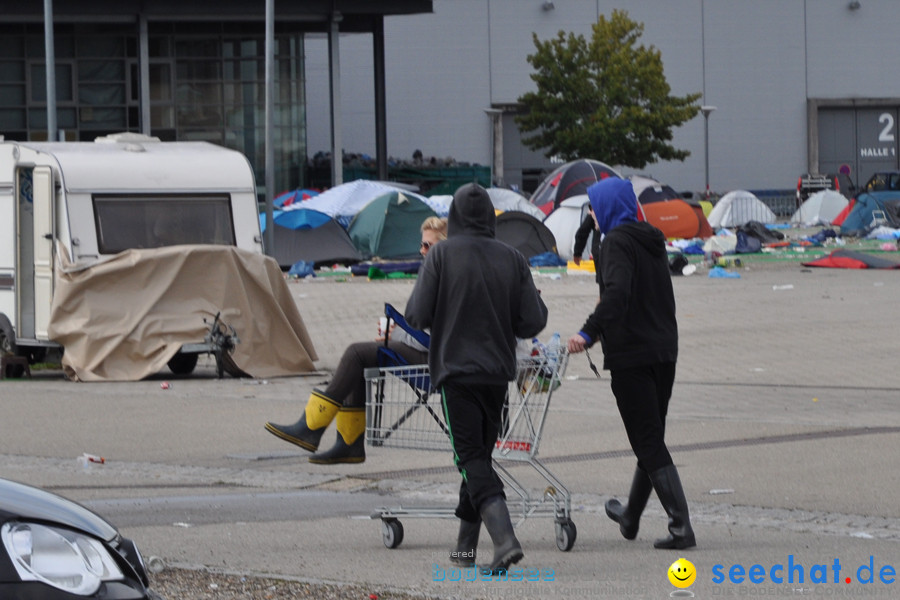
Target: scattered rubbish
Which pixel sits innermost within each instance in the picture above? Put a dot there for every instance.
(720, 273)
(181, 524)
(782, 287)
(164, 385)
(214, 586)
(815, 399)
(863, 535)
(86, 460)
(689, 270)
(254, 382)
(729, 261)
(302, 269)
(721, 491)
(155, 564)
(710, 257)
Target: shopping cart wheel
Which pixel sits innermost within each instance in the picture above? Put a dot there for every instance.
(391, 532)
(566, 533)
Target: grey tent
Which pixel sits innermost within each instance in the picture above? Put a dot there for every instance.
(525, 233)
(324, 245)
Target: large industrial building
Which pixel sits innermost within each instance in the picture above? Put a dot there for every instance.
(797, 85)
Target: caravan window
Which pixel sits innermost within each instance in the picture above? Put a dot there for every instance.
(153, 221)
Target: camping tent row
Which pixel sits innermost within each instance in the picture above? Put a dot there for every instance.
(385, 226)
(364, 220)
(660, 204)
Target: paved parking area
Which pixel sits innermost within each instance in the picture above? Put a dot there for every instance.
(784, 425)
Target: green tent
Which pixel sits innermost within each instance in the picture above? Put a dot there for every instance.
(389, 227)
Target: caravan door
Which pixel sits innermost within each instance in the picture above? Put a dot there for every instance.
(42, 244)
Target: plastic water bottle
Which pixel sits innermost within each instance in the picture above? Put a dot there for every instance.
(554, 347)
(551, 354)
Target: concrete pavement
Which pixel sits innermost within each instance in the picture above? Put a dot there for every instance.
(783, 423)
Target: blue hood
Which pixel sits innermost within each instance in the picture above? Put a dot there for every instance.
(613, 202)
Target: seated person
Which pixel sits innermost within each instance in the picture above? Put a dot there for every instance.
(344, 400)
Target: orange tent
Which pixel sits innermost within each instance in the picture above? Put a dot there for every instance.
(666, 211)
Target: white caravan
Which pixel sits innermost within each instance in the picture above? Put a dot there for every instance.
(90, 200)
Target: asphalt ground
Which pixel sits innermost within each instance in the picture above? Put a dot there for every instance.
(784, 425)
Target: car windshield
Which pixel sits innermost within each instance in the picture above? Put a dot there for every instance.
(883, 181)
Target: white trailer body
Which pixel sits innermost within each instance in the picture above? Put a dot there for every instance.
(92, 200)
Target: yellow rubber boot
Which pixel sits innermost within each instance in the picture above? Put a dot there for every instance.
(306, 433)
(350, 446)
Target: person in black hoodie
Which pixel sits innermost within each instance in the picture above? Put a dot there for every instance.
(635, 323)
(582, 234)
(476, 295)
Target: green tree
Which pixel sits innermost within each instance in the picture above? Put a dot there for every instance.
(606, 98)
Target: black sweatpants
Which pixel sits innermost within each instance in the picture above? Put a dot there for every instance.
(642, 395)
(473, 414)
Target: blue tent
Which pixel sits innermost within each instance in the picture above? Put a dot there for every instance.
(296, 219)
(870, 209)
(310, 236)
(293, 197)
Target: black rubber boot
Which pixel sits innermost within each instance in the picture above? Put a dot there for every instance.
(466, 544)
(668, 487)
(629, 516)
(507, 549)
(306, 433)
(350, 446)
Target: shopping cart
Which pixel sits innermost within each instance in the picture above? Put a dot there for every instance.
(403, 411)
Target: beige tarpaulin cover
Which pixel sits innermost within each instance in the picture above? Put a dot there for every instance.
(124, 318)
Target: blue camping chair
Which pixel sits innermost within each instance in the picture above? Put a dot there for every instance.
(416, 377)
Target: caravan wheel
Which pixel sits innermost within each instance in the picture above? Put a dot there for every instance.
(7, 337)
(8, 347)
(183, 364)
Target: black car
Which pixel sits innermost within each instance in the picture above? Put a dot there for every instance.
(888, 181)
(54, 549)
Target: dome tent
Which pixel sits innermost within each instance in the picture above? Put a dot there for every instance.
(570, 179)
(821, 208)
(565, 221)
(390, 226)
(738, 208)
(667, 211)
(525, 233)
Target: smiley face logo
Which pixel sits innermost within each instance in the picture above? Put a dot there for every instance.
(682, 573)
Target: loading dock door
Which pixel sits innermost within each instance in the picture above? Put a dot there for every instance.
(861, 140)
(877, 141)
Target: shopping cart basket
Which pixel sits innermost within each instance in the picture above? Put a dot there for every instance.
(403, 411)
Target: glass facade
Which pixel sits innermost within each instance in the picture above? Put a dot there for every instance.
(206, 82)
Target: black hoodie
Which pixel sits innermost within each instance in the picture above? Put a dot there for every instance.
(476, 295)
(635, 319)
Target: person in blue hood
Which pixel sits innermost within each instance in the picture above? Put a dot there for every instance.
(636, 326)
(476, 295)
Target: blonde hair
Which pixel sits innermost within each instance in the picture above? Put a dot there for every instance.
(436, 224)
